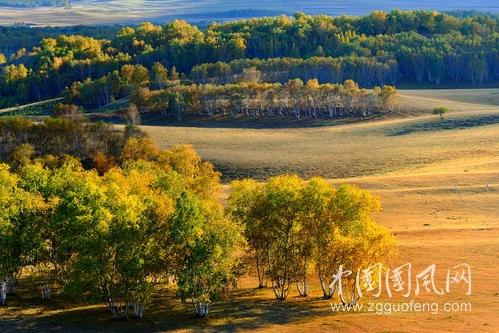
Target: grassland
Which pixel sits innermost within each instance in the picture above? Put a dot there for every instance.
(412, 138)
(114, 11)
(439, 187)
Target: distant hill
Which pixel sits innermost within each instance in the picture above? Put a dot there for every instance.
(132, 11)
(34, 3)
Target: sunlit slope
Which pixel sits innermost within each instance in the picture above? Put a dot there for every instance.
(119, 11)
(347, 150)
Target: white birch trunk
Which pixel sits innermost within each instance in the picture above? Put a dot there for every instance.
(202, 309)
(46, 291)
(3, 293)
(303, 289)
(138, 310)
(119, 311)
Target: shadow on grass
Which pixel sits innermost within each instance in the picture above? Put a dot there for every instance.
(445, 124)
(284, 122)
(249, 309)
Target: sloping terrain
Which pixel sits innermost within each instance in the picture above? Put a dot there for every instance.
(443, 214)
(114, 11)
(413, 138)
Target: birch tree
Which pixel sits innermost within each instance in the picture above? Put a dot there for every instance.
(205, 251)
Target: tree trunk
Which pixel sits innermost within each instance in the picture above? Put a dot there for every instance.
(202, 308)
(303, 288)
(303, 285)
(119, 311)
(349, 299)
(46, 291)
(280, 288)
(3, 293)
(261, 274)
(327, 291)
(138, 310)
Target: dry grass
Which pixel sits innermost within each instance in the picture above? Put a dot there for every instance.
(434, 222)
(127, 11)
(440, 202)
(347, 150)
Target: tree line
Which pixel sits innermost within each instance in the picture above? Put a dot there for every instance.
(14, 38)
(250, 97)
(427, 47)
(310, 100)
(367, 72)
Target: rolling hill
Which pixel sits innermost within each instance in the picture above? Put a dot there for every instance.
(114, 11)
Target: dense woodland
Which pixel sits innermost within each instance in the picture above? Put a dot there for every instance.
(366, 71)
(415, 47)
(14, 39)
(247, 98)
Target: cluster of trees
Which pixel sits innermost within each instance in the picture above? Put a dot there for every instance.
(139, 218)
(58, 62)
(14, 38)
(158, 90)
(295, 229)
(154, 220)
(253, 99)
(413, 46)
(69, 134)
(120, 83)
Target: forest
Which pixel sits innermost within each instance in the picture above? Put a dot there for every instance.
(400, 47)
(15, 38)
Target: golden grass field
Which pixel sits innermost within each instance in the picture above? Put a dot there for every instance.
(413, 138)
(126, 11)
(439, 186)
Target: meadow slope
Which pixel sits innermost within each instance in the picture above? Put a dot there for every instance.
(439, 186)
(114, 11)
(412, 138)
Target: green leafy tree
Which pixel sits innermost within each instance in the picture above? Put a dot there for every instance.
(159, 76)
(244, 194)
(205, 248)
(279, 210)
(440, 111)
(22, 220)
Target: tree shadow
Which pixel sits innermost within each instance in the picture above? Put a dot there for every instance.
(444, 124)
(284, 122)
(249, 309)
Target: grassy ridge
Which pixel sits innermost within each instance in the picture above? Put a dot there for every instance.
(411, 138)
(113, 11)
(31, 3)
